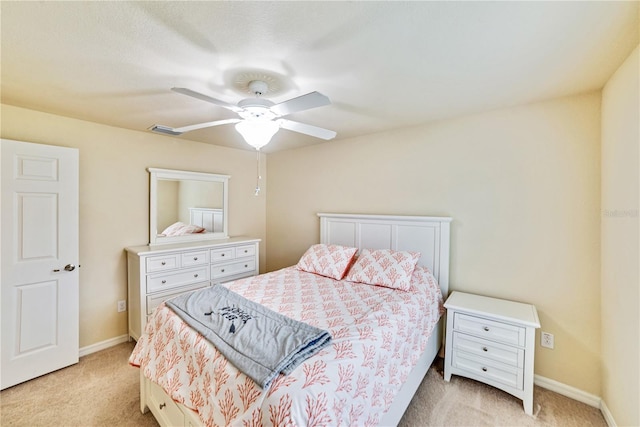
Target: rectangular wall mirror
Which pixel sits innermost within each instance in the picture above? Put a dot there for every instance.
(187, 206)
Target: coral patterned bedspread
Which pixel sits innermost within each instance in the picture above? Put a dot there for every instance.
(378, 336)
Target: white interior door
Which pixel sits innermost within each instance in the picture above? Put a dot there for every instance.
(39, 297)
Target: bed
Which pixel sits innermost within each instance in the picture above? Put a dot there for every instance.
(384, 339)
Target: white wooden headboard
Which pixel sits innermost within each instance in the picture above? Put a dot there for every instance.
(425, 234)
(210, 219)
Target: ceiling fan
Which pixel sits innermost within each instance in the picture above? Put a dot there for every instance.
(259, 118)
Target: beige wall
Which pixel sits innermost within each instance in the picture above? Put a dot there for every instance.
(114, 200)
(523, 188)
(621, 243)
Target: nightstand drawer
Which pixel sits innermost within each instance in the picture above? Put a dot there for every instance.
(231, 269)
(191, 259)
(489, 369)
(491, 330)
(165, 281)
(161, 263)
(509, 355)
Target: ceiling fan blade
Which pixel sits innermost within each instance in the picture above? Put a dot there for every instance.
(206, 98)
(179, 131)
(307, 129)
(206, 125)
(165, 130)
(301, 103)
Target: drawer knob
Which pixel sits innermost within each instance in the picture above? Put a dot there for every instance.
(195, 258)
(486, 329)
(162, 405)
(485, 349)
(195, 275)
(164, 281)
(245, 251)
(484, 369)
(163, 263)
(222, 271)
(246, 265)
(221, 254)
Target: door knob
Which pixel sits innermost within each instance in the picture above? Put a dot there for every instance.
(69, 267)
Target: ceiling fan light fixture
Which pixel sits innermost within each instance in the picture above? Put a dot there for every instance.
(257, 133)
(259, 118)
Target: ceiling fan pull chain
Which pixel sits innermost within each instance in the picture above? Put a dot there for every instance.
(258, 177)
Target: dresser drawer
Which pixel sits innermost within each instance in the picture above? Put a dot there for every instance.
(509, 355)
(162, 263)
(191, 259)
(156, 299)
(223, 255)
(231, 269)
(244, 251)
(164, 407)
(487, 369)
(165, 281)
(488, 329)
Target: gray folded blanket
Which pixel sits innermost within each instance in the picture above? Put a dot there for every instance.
(259, 342)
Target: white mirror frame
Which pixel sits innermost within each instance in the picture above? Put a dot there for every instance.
(159, 174)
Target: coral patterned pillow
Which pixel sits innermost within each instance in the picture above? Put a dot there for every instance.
(180, 229)
(327, 260)
(384, 267)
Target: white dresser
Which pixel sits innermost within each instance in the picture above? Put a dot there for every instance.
(157, 273)
(493, 341)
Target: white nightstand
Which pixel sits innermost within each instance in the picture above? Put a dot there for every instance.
(492, 340)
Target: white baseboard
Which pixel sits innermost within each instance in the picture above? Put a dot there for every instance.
(576, 394)
(567, 390)
(608, 416)
(103, 345)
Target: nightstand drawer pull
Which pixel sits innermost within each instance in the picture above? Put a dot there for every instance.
(195, 275)
(484, 369)
(162, 405)
(164, 281)
(485, 349)
(486, 329)
(163, 263)
(195, 258)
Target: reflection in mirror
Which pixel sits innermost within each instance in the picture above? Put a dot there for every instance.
(187, 206)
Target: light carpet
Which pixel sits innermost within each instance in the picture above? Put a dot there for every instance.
(102, 390)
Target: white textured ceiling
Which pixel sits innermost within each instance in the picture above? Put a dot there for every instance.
(384, 65)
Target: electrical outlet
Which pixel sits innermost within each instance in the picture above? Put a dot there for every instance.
(546, 340)
(122, 306)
